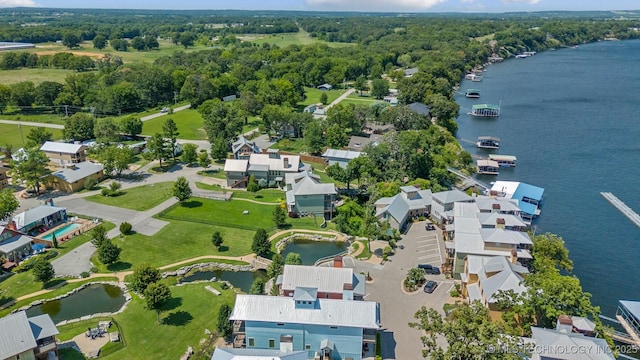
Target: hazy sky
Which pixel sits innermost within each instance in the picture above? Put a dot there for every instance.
(334, 5)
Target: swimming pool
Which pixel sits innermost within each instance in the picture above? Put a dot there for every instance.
(62, 231)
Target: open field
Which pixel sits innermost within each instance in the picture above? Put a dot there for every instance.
(189, 122)
(264, 195)
(313, 95)
(10, 135)
(283, 40)
(35, 75)
(139, 198)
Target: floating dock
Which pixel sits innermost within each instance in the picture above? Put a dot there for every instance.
(624, 209)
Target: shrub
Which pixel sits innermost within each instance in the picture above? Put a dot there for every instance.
(84, 274)
(125, 228)
(51, 254)
(224, 285)
(106, 192)
(454, 293)
(26, 265)
(90, 183)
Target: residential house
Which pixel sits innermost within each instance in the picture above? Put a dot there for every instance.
(72, 177)
(61, 154)
(410, 72)
(340, 157)
(315, 109)
(258, 354)
(376, 128)
(443, 202)
(470, 238)
(325, 87)
(331, 282)
(14, 245)
(324, 328)
(243, 148)
(529, 196)
(399, 209)
(4, 179)
(23, 337)
(562, 343)
(485, 276)
(357, 143)
(307, 195)
(39, 219)
(420, 108)
(270, 167)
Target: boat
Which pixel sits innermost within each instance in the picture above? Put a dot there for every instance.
(488, 167)
(472, 93)
(488, 142)
(521, 56)
(473, 77)
(504, 160)
(485, 110)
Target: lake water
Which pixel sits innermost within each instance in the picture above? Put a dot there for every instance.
(571, 118)
(95, 298)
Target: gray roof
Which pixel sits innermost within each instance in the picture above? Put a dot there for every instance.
(399, 205)
(310, 186)
(410, 71)
(582, 323)
(357, 143)
(14, 243)
(555, 344)
(325, 279)
(256, 354)
(305, 294)
(633, 307)
(78, 171)
(278, 309)
(42, 327)
(341, 154)
(235, 165)
(509, 220)
(37, 213)
(451, 196)
(15, 335)
(291, 178)
(60, 147)
(243, 141)
(496, 273)
(420, 108)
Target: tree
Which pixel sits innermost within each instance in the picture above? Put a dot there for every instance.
(150, 42)
(143, 276)
(186, 39)
(337, 136)
(216, 239)
(99, 42)
(324, 99)
(8, 203)
(219, 148)
(114, 158)
(313, 137)
(252, 184)
(170, 131)
(257, 287)
(119, 44)
(276, 266)
(181, 189)
(38, 136)
(99, 235)
(189, 155)
(156, 295)
(261, 245)
(221, 120)
(125, 228)
(415, 277)
(224, 327)
(279, 215)
(138, 43)
(131, 126)
(293, 259)
(70, 40)
(79, 126)
(31, 168)
(361, 84)
(106, 131)
(157, 147)
(203, 159)
(90, 183)
(43, 270)
(46, 93)
(54, 241)
(379, 88)
(549, 252)
(470, 334)
(108, 252)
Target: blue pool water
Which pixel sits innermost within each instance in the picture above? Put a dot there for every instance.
(62, 231)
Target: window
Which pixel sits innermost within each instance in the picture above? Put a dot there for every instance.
(334, 327)
(252, 342)
(280, 324)
(272, 343)
(307, 347)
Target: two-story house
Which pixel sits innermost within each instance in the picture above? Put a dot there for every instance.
(324, 328)
(14, 245)
(399, 209)
(270, 167)
(307, 195)
(243, 148)
(61, 154)
(340, 157)
(23, 337)
(443, 201)
(331, 282)
(529, 197)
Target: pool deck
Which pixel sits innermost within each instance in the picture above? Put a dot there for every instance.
(85, 225)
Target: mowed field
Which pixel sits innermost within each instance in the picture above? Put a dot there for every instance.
(190, 125)
(283, 40)
(12, 135)
(36, 75)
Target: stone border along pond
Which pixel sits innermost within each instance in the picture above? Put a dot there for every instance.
(125, 293)
(282, 243)
(206, 266)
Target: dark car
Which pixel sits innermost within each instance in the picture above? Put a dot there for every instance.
(430, 286)
(429, 269)
(430, 226)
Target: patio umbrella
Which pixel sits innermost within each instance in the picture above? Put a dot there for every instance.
(38, 247)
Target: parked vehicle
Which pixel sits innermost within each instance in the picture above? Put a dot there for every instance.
(429, 227)
(429, 269)
(430, 286)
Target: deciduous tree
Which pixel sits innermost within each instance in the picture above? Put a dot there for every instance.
(257, 287)
(108, 252)
(279, 215)
(276, 266)
(203, 159)
(216, 239)
(293, 259)
(189, 155)
(225, 327)
(158, 147)
(156, 295)
(43, 270)
(131, 125)
(8, 203)
(379, 88)
(99, 235)
(37, 136)
(31, 168)
(71, 40)
(99, 42)
(170, 132)
(79, 126)
(181, 189)
(261, 245)
(106, 131)
(143, 276)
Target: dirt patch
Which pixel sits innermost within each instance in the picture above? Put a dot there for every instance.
(77, 53)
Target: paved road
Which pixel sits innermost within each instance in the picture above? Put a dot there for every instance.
(75, 262)
(29, 123)
(340, 98)
(157, 115)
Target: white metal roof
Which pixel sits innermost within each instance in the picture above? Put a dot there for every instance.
(499, 157)
(276, 163)
(491, 163)
(309, 186)
(557, 344)
(341, 154)
(325, 279)
(233, 165)
(256, 354)
(42, 327)
(14, 243)
(278, 309)
(37, 213)
(60, 147)
(15, 335)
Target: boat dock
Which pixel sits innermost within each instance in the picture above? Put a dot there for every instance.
(467, 180)
(624, 209)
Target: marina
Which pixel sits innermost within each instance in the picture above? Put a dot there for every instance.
(488, 167)
(472, 93)
(504, 160)
(485, 110)
(488, 142)
(624, 209)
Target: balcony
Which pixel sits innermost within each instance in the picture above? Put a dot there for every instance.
(45, 348)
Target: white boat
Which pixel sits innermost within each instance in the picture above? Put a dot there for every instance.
(473, 77)
(485, 110)
(488, 142)
(472, 93)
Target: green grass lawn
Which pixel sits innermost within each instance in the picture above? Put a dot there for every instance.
(264, 195)
(139, 198)
(365, 254)
(283, 40)
(35, 75)
(313, 95)
(215, 173)
(253, 123)
(12, 135)
(189, 122)
(294, 145)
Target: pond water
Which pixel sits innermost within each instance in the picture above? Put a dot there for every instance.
(95, 298)
(310, 250)
(239, 279)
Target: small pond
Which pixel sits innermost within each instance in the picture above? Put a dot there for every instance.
(95, 298)
(239, 279)
(310, 250)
